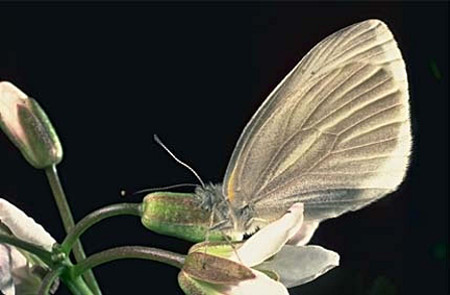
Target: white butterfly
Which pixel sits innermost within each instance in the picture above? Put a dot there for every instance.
(333, 135)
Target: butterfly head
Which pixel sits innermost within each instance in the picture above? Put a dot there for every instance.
(233, 221)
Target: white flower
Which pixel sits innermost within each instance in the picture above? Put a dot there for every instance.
(263, 264)
(20, 271)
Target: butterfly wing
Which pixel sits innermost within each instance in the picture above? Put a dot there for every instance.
(334, 134)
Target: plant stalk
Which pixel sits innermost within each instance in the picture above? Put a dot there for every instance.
(127, 252)
(95, 217)
(68, 222)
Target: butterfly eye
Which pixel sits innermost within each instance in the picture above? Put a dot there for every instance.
(246, 210)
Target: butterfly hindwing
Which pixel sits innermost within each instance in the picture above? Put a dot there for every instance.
(334, 134)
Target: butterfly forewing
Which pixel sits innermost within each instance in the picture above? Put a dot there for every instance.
(334, 134)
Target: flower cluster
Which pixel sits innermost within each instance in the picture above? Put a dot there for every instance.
(20, 271)
(263, 264)
(269, 262)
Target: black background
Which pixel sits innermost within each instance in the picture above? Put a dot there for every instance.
(112, 75)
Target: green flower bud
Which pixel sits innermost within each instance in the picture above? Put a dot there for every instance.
(211, 268)
(28, 127)
(210, 274)
(178, 215)
(215, 269)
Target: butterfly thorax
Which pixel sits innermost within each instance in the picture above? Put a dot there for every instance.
(233, 221)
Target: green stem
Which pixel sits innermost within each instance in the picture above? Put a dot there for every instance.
(77, 286)
(127, 252)
(60, 198)
(43, 254)
(68, 222)
(95, 217)
(48, 281)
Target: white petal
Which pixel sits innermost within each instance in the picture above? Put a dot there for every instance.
(18, 260)
(10, 97)
(304, 235)
(6, 280)
(302, 264)
(261, 285)
(19, 266)
(24, 227)
(9, 290)
(269, 240)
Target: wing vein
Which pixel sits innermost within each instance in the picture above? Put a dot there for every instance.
(325, 97)
(367, 145)
(372, 130)
(355, 98)
(369, 117)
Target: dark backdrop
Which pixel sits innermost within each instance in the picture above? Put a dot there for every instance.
(112, 75)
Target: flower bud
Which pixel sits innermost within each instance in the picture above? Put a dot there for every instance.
(207, 270)
(28, 127)
(215, 269)
(178, 215)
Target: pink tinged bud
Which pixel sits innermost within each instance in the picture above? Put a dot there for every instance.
(28, 127)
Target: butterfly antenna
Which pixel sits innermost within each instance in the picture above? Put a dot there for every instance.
(163, 188)
(158, 141)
